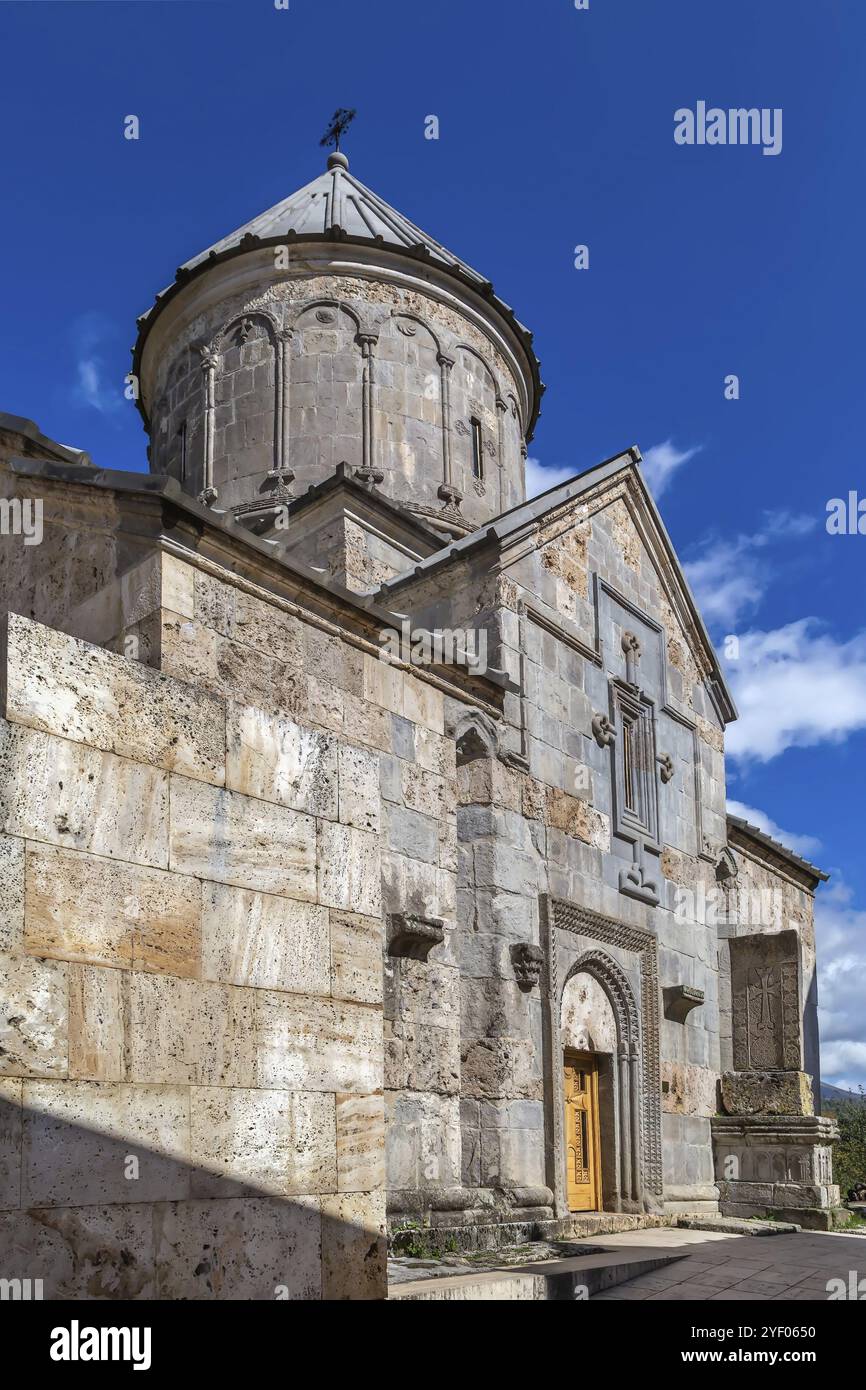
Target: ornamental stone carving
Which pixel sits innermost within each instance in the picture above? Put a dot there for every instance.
(527, 960)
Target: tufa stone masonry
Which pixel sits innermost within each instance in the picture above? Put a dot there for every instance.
(302, 941)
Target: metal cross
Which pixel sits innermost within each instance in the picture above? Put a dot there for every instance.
(340, 122)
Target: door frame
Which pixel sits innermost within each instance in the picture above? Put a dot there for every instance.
(590, 1062)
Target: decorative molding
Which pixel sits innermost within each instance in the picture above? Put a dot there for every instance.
(580, 921)
(680, 1000)
(666, 764)
(527, 960)
(603, 731)
(414, 937)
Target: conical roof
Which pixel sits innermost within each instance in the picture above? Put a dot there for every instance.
(338, 207)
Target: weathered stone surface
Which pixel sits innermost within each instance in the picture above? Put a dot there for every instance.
(97, 1016)
(317, 1045)
(66, 687)
(278, 761)
(349, 869)
(360, 1143)
(80, 907)
(256, 1141)
(33, 1017)
(354, 1249)
(248, 619)
(11, 1131)
(80, 798)
(236, 839)
(80, 1135)
(767, 1093)
(359, 788)
(245, 1248)
(263, 941)
(356, 957)
(11, 893)
(185, 1032)
(576, 818)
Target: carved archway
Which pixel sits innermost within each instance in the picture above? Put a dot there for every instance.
(627, 1182)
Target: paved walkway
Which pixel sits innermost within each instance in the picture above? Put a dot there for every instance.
(785, 1268)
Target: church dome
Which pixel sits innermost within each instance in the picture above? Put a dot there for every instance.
(331, 330)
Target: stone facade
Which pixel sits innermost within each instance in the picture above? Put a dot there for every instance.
(298, 932)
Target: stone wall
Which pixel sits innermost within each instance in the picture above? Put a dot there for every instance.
(192, 1030)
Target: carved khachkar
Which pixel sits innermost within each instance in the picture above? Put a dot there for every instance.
(765, 989)
(581, 921)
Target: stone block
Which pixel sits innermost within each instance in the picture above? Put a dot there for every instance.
(79, 1138)
(359, 788)
(33, 1018)
(349, 869)
(230, 838)
(767, 1093)
(367, 723)
(80, 798)
(249, 620)
(86, 1252)
(356, 957)
(11, 1132)
(248, 1142)
(383, 685)
(97, 1009)
(239, 1249)
(354, 1248)
(62, 686)
(276, 760)
(11, 893)
(80, 907)
(263, 941)
(423, 704)
(360, 1143)
(304, 1044)
(413, 834)
(425, 791)
(185, 1032)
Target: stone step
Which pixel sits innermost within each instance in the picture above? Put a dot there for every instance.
(574, 1279)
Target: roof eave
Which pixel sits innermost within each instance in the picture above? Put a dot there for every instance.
(483, 288)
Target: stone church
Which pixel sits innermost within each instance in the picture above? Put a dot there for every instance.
(365, 858)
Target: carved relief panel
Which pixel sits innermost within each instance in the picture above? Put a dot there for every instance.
(765, 975)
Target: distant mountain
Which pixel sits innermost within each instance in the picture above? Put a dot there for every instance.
(837, 1093)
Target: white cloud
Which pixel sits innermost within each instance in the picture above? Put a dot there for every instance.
(89, 334)
(661, 462)
(800, 844)
(794, 687)
(841, 937)
(539, 478)
(730, 577)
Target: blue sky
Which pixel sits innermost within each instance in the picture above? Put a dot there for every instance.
(556, 129)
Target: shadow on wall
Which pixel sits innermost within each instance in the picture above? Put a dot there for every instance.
(95, 1216)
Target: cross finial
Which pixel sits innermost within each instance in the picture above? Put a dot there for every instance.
(340, 122)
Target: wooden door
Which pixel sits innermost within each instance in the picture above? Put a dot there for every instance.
(581, 1132)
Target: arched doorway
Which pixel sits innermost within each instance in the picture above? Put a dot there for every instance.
(599, 1067)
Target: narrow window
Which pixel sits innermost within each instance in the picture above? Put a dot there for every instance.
(477, 457)
(628, 751)
(182, 435)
